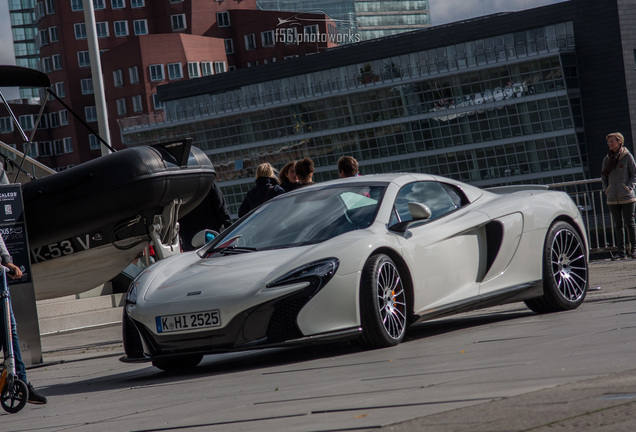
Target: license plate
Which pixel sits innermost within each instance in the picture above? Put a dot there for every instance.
(189, 321)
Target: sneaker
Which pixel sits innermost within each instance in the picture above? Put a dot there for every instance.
(619, 256)
(34, 396)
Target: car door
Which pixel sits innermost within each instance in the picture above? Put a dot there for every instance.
(446, 253)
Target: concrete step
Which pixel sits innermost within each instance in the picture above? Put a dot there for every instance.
(71, 313)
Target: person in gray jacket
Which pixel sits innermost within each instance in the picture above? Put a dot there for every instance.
(618, 175)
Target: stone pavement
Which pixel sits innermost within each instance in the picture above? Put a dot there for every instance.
(601, 404)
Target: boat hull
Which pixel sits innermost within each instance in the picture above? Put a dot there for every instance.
(86, 224)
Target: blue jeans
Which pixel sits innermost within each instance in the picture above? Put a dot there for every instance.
(623, 217)
(19, 364)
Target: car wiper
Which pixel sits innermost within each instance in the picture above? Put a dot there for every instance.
(233, 250)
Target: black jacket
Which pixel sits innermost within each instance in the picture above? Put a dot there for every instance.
(266, 188)
(211, 213)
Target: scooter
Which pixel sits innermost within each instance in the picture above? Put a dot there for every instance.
(13, 392)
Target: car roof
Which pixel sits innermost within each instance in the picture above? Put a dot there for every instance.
(400, 179)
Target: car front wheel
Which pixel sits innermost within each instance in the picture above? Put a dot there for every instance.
(565, 271)
(382, 303)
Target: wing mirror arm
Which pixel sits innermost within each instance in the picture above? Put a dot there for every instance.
(419, 212)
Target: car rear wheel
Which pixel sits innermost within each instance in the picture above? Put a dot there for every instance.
(175, 364)
(565, 271)
(382, 303)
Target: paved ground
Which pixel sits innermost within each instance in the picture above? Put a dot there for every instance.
(603, 403)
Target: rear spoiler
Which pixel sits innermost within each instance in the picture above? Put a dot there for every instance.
(503, 190)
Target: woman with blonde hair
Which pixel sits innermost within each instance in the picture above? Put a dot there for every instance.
(266, 188)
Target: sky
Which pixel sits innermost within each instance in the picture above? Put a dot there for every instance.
(442, 12)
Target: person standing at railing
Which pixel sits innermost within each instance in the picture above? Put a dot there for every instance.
(618, 175)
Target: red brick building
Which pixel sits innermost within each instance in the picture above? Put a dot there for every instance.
(145, 44)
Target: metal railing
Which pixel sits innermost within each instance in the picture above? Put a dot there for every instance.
(590, 199)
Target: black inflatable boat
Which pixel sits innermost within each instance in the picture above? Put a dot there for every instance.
(87, 223)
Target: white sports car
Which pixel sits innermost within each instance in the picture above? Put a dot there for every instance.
(358, 258)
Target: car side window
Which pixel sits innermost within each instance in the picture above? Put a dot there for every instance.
(441, 199)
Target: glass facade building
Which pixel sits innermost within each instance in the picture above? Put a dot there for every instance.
(493, 111)
(25, 35)
(369, 19)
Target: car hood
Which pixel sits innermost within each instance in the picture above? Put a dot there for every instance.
(192, 278)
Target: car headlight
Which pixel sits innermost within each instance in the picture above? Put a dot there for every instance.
(131, 296)
(317, 274)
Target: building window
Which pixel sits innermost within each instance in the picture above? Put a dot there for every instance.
(57, 62)
(6, 125)
(223, 19)
(99, 5)
(44, 122)
(118, 4)
(137, 104)
(291, 36)
(193, 70)
(26, 121)
(93, 142)
(53, 36)
(156, 72)
(121, 106)
(118, 78)
(121, 28)
(267, 38)
(178, 22)
(140, 27)
(31, 149)
(50, 7)
(311, 30)
(137, 3)
(63, 118)
(83, 59)
(45, 148)
(87, 86)
(156, 102)
(102, 29)
(80, 30)
(219, 67)
(250, 42)
(229, 46)
(68, 145)
(175, 71)
(58, 148)
(91, 113)
(77, 5)
(206, 68)
(133, 72)
(44, 37)
(60, 90)
(47, 65)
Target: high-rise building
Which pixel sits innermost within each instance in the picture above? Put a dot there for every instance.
(362, 19)
(25, 37)
(143, 44)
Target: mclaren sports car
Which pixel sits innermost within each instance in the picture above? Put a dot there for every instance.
(360, 258)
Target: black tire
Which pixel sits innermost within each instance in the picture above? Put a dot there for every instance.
(177, 364)
(383, 305)
(565, 271)
(14, 401)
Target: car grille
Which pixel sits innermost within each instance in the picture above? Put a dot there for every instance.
(282, 325)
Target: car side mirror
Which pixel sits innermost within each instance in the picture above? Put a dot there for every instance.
(419, 212)
(203, 237)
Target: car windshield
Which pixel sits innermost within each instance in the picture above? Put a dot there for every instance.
(302, 218)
